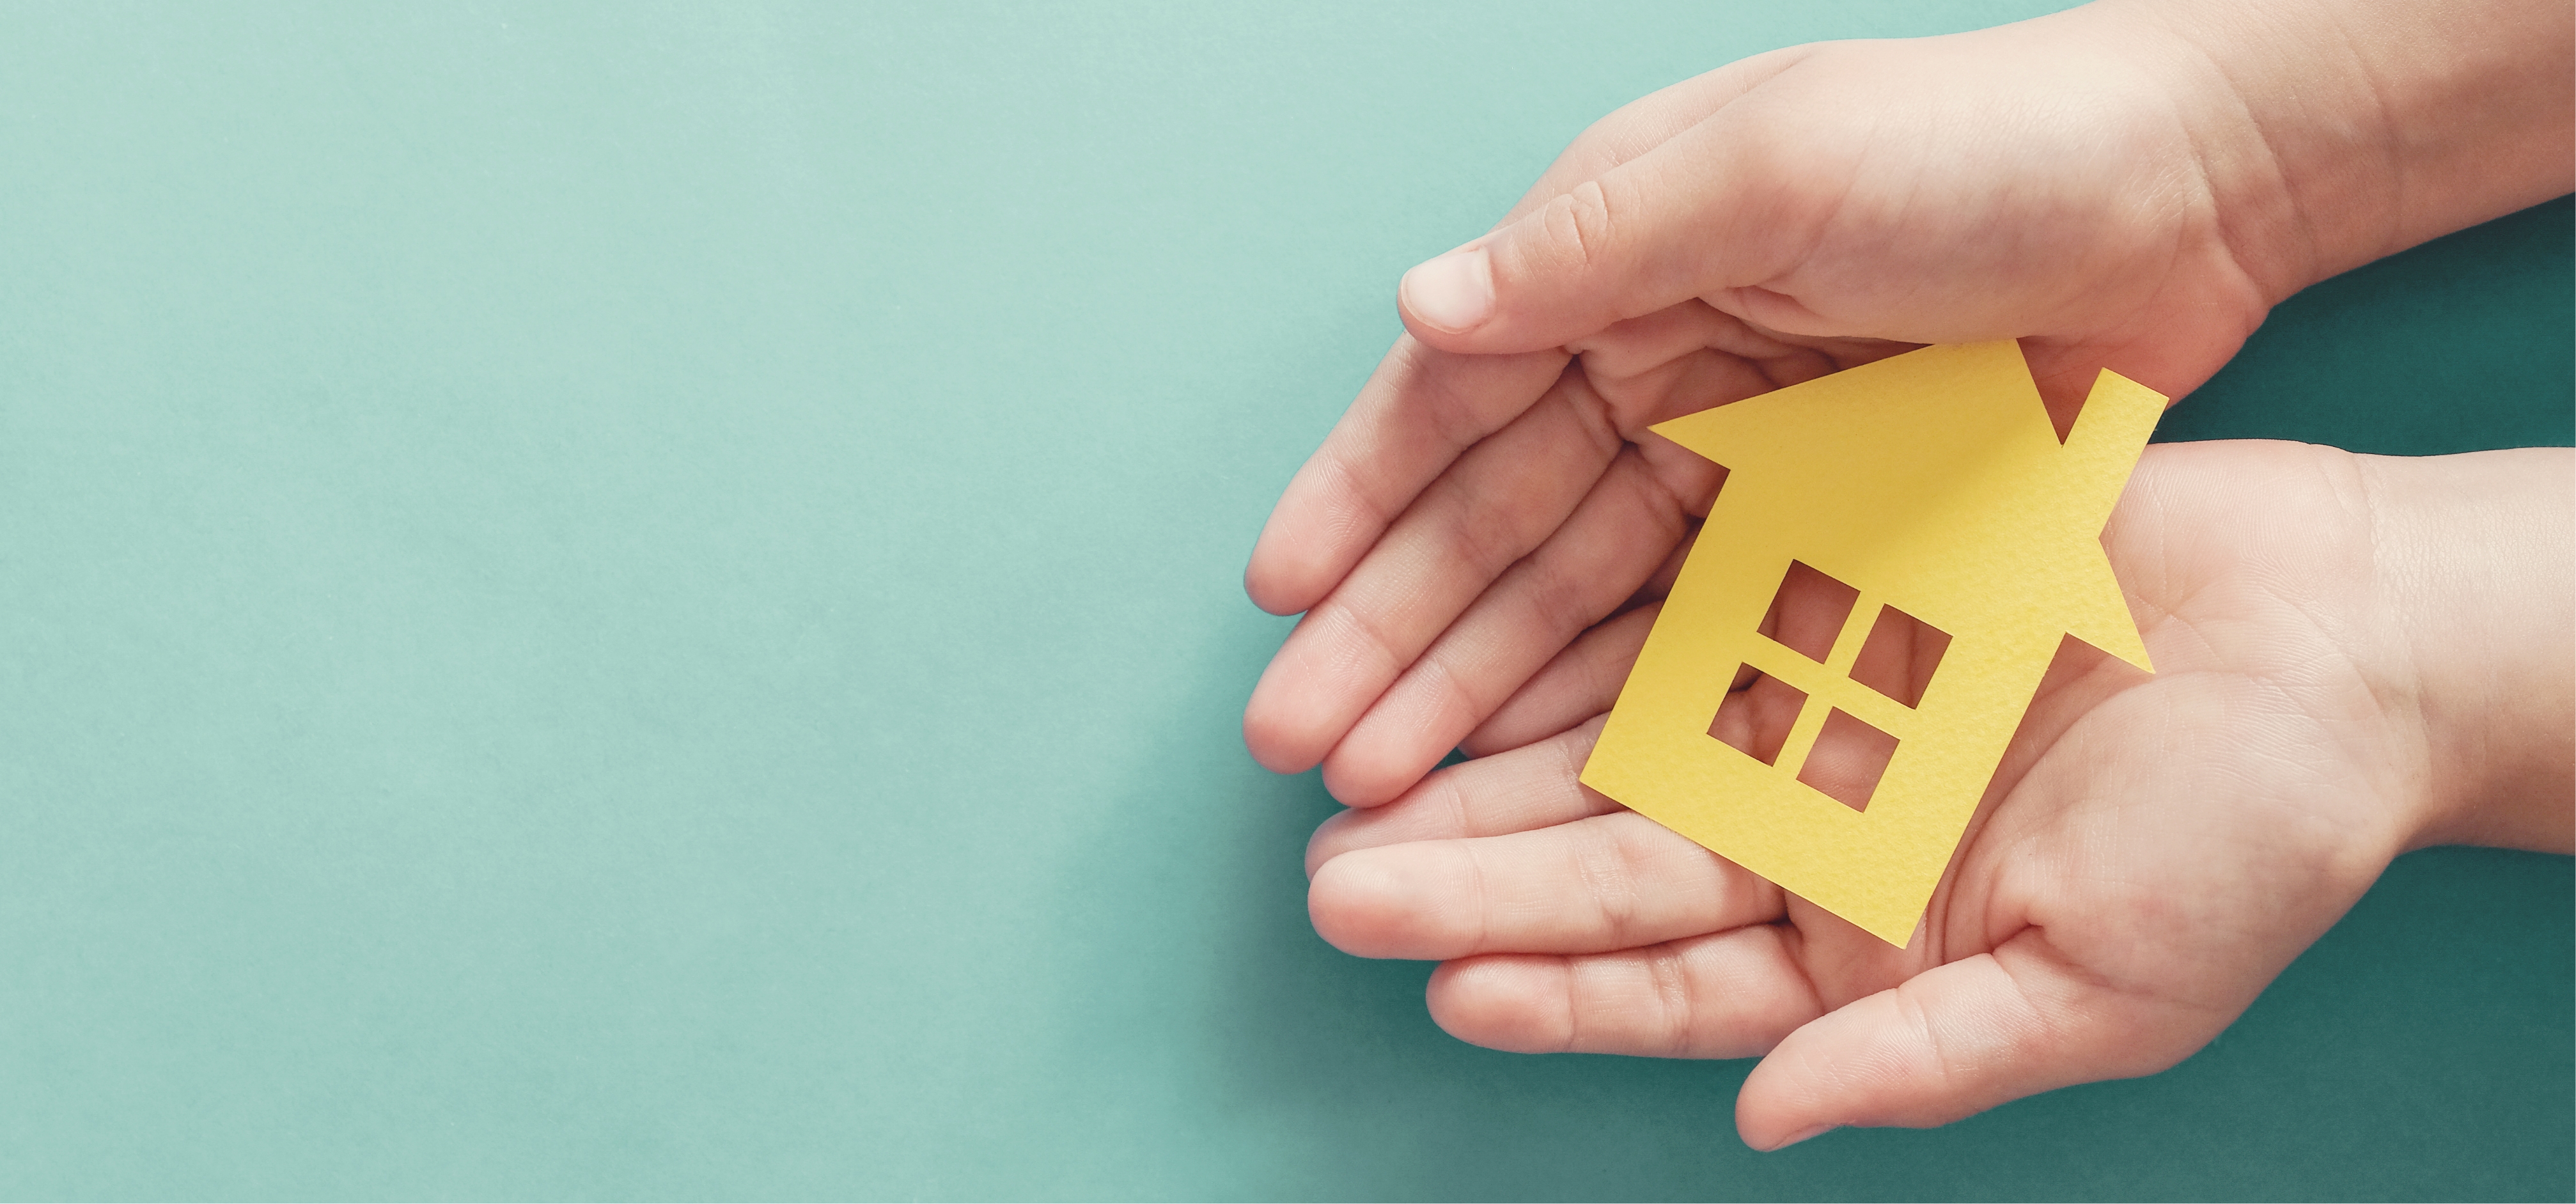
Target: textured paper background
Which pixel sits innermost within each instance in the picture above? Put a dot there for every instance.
(609, 601)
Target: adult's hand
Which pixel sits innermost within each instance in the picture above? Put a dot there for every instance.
(2128, 185)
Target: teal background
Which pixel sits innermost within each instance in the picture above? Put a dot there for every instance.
(641, 600)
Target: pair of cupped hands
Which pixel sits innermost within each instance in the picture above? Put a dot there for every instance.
(1479, 548)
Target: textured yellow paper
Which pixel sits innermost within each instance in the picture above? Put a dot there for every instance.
(1931, 482)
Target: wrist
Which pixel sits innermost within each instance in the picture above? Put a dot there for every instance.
(2474, 562)
(2334, 132)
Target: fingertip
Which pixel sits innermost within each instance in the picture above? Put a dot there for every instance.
(1793, 1091)
(1395, 744)
(1271, 752)
(1269, 595)
(1286, 574)
(1448, 297)
(1511, 1002)
(1273, 737)
(1794, 1138)
(1326, 843)
(1356, 828)
(1275, 580)
(1765, 1120)
(1358, 778)
(1357, 901)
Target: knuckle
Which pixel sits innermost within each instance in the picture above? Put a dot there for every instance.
(1593, 414)
(1562, 602)
(1339, 478)
(1454, 803)
(1671, 980)
(1579, 224)
(1458, 418)
(1480, 891)
(1571, 1037)
(1937, 1063)
(1344, 629)
(1601, 864)
(1483, 546)
(1451, 689)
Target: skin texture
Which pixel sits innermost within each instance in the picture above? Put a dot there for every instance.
(2130, 185)
(2153, 850)
(2125, 185)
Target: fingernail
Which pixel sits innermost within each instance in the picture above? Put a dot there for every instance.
(1802, 1135)
(1454, 293)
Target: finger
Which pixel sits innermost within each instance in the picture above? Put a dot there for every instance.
(1721, 205)
(1605, 550)
(1533, 786)
(1496, 503)
(1687, 357)
(1659, 585)
(1411, 419)
(1416, 414)
(1422, 407)
(1674, 361)
(1954, 1041)
(1613, 881)
(1730, 994)
(1580, 683)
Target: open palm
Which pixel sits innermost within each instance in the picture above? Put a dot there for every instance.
(2152, 852)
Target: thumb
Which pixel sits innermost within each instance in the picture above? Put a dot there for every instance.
(1693, 216)
(1956, 1040)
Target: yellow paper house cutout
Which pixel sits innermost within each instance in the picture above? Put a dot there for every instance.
(1931, 482)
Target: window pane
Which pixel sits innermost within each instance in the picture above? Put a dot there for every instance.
(1849, 758)
(1898, 658)
(1755, 720)
(1809, 611)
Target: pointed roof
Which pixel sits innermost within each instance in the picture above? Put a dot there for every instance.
(1937, 475)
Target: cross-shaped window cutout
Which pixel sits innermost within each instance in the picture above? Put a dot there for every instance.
(1796, 714)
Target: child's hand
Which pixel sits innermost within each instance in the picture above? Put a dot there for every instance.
(2355, 656)
(2129, 185)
